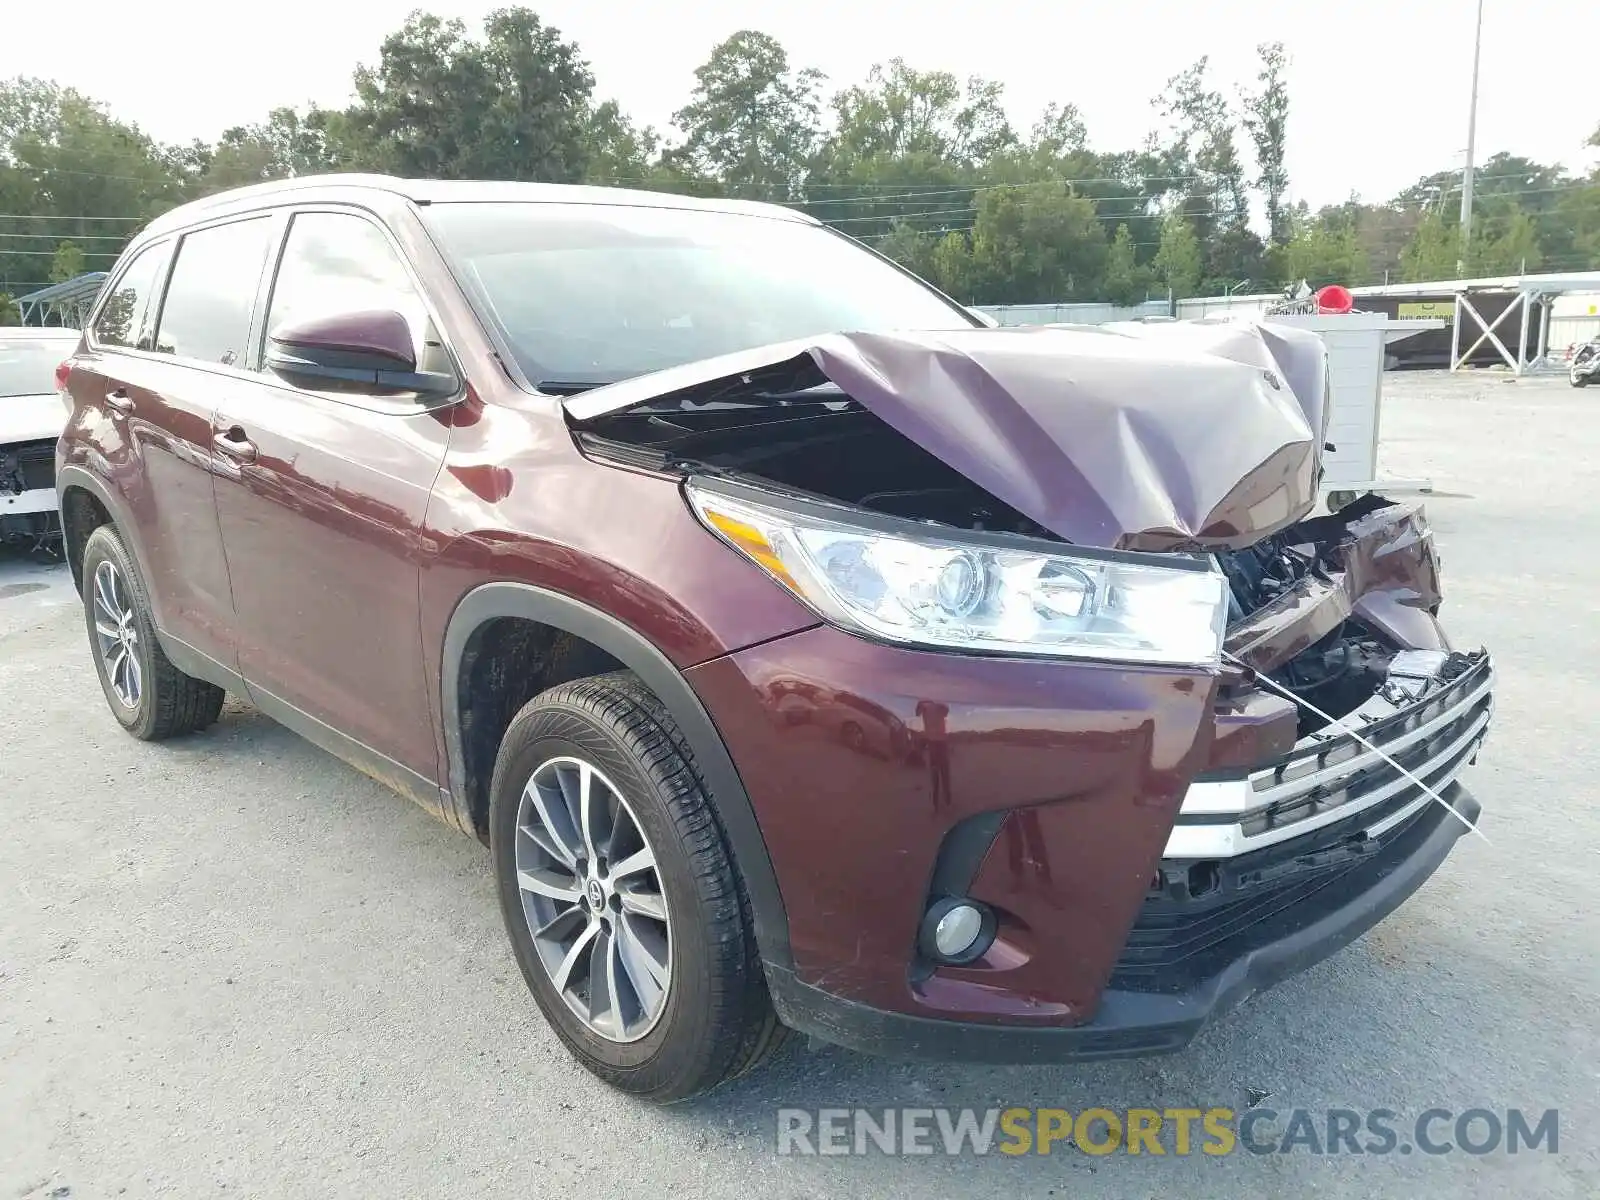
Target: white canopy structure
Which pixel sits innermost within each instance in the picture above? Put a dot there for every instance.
(1531, 298)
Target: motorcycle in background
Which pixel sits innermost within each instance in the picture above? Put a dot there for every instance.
(1585, 367)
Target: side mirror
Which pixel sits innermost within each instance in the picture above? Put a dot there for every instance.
(356, 351)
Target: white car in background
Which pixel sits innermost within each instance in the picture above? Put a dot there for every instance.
(31, 419)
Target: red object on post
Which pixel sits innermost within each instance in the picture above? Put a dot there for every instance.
(1335, 299)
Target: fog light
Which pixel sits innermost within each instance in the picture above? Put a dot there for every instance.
(957, 931)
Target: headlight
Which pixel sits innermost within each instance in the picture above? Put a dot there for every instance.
(893, 580)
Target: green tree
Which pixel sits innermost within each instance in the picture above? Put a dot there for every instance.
(1506, 242)
(1124, 281)
(1504, 185)
(1324, 250)
(752, 122)
(909, 146)
(288, 143)
(69, 171)
(900, 112)
(440, 104)
(619, 152)
(1202, 160)
(10, 314)
(1431, 253)
(1036, 245)
(1178, 261)
(1266, 118)
(912, 248)
(66, 263)
(1579, 219)
(953, 267)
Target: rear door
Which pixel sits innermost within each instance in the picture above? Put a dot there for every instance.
(168, 341)
(321, 507)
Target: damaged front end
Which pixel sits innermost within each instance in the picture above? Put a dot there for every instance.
(1193, 446)
(1159, 438)
(1340, 612)
(1171, 443)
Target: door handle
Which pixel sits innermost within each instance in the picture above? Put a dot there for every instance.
(234, 444)
(119, 401)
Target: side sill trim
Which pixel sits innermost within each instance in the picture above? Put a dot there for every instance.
(423, 792)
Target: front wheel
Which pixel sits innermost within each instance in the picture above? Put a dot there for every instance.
(622, 902)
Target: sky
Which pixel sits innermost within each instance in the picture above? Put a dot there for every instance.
(1378, 88)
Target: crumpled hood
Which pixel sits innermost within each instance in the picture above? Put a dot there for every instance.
(31, 418)
(1171, 436)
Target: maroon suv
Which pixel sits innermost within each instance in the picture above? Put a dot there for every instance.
(808, 654)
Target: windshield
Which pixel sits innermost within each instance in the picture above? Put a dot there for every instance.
(28, 365)
(588, 294)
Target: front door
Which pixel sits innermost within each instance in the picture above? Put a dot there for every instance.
(321, 497)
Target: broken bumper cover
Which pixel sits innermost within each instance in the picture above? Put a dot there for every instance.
(1431, 727)
(1130, 1022)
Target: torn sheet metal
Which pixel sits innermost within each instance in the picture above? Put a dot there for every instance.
(1387, 572)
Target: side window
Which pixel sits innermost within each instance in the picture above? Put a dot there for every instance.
(337, 263)
(206, 315)
(123, 319)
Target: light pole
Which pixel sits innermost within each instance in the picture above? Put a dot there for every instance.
(1472, 134)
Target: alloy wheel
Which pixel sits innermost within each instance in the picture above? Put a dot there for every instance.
(117, 634)
(593, 899)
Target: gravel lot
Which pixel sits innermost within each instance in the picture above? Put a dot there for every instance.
(231, 965)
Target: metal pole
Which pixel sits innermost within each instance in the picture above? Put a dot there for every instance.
(1472, 136)
(1455, 336)
(1522, 338)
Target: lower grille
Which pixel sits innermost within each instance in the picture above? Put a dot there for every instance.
(1199, 917)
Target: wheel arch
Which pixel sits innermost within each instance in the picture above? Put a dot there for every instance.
(491, 602)
(86, 504)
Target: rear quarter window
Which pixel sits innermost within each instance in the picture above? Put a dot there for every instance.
(125, 316)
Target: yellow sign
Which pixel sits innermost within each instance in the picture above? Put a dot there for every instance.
(1443, 309)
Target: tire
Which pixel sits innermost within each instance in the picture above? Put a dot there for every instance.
(714, 1019)
(166, 702)
(1580, 381)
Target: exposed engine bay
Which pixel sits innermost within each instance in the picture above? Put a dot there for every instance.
(1084, 454)
(1190, 436)
(817, 442)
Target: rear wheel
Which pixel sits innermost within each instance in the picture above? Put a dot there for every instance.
(622, 903)
(149, 696)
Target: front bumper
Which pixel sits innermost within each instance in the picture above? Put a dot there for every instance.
(1132, 1022)
(27, 487)
(1076, 801)
(35, 500)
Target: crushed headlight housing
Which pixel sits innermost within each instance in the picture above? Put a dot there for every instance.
(922, 585)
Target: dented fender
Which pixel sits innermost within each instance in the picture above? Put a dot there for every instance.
(1387, 572)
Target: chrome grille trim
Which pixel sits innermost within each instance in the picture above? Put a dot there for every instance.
(1215, 815)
